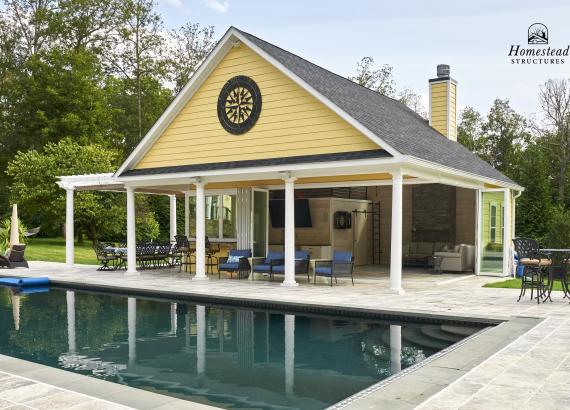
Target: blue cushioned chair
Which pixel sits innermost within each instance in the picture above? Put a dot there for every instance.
(301, 265)
(236, 261)
(341, 265)
(266, 265)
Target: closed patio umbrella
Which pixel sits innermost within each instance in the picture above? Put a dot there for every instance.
(14, 228)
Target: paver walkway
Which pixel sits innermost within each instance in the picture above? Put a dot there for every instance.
(533, 372)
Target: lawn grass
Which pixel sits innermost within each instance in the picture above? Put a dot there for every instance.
(516, 284)
(53, 250)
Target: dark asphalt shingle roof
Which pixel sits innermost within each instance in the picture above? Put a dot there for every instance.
(300, 159)
(390, 120)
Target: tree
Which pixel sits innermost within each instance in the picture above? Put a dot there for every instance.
(137, 55)
(469, 131)
(554, 98)
(505, 134)
(190, 44)
(34, 187)
(534, 207)
(380, 79)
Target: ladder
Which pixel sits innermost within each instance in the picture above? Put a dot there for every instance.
(376, 251)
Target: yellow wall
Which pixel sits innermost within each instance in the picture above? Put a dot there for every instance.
(440, 92)
(439, 107)
(292, 122)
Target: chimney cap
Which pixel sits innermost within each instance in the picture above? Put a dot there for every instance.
(443, 70)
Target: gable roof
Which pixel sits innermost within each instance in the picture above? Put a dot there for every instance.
(392, 121)
(395, 127)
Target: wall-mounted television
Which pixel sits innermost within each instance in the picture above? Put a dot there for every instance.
(302, 213)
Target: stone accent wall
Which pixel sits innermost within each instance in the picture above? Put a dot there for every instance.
(433, 213)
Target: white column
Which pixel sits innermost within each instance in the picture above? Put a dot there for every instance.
(173, 319)
(69, 234)
(289, 353)
(289, 279)
(173, 232)
(132, 326)
(187, 214)
(131, 233)
(200, 232)
(508, 268)
(396, 241)
(70, 298)
(395, 348)
(201, 339)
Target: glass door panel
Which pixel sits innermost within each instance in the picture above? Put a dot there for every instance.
(259, 222)
(492, 232)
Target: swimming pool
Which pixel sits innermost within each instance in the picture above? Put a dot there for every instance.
(224, 356)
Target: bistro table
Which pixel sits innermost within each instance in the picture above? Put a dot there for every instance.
(557, 271)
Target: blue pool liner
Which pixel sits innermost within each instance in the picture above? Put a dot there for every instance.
(25, 282)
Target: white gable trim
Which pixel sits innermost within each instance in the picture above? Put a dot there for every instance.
(205, 69)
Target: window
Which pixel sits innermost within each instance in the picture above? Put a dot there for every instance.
(220, 216)
(493, 223)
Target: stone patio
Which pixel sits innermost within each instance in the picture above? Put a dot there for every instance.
(531, 372)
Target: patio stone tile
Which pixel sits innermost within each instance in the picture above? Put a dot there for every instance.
(59, 400)
(28, 392)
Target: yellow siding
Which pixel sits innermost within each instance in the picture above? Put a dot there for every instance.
(440, 117)
(453, 112)
(439, 107)
(292, 122)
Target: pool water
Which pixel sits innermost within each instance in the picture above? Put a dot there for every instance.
(222, 356)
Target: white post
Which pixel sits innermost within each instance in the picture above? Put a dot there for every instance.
(69, 235)
(173, 319)
(200, 232)
(187, 214)
(201, 339)
(132, 326)
(131, 233)
(508, 268)
(396, 241)
(289, 279)
(395, 348)
(70, 298)
(289, 354)
(173, 229)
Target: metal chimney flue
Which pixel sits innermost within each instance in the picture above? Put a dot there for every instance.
(443, 70)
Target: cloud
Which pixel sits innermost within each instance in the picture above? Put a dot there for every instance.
(179, 4)
(217, 5)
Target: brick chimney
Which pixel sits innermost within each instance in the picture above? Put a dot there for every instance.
(443, 102)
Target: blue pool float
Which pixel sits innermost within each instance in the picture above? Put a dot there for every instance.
(28, 290)
(25, 282)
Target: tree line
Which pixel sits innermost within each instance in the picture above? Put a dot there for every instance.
(85, 77)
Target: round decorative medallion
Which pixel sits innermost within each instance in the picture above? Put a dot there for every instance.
(239, 104)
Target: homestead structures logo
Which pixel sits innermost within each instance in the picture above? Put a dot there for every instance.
(538, 53)
(537, 34)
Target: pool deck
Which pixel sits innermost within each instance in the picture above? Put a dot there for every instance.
(531, 371)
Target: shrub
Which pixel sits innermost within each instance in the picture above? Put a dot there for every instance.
(5, 233)
(558, 235)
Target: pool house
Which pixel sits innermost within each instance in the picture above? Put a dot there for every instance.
(271, 152)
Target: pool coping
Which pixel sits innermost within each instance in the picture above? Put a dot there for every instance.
(102, 390)
(406, 389)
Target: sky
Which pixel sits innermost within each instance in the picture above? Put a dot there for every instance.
(473, 37)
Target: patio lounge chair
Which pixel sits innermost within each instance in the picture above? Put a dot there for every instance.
(14, 258)
(301, 265)
(265, 265)
(534, 264)
(341, 265)
(236, 261)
